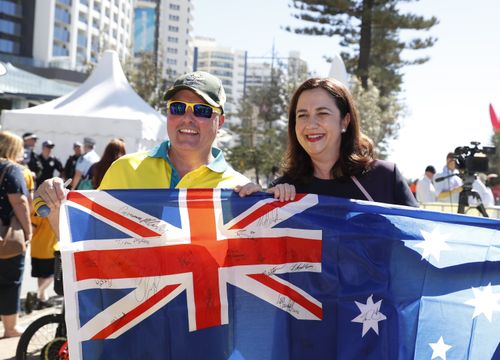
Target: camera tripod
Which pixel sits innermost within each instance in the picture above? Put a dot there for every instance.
(463, 200)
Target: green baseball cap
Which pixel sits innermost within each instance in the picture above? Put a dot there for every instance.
(202, 83)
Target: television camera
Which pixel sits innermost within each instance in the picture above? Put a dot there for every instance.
(471, 160)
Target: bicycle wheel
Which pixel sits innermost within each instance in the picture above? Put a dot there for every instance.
(40, 334)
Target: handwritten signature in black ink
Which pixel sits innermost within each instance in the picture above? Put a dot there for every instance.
(300, 267)
(372, 315)
(273, 270)
(286, 304)
(146, 287)
(270, 218)
(150, 222)
(104, 283)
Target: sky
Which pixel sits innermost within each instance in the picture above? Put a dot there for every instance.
(447, 98)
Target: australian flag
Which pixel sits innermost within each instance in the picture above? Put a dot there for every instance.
(205, 274)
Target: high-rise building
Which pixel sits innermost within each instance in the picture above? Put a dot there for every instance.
(16, 28)
(66, 34)
(225, 63)
(72, 33)
(163, 27)
(174, 37)
(257, 74)
(239, 72)
(297, 70)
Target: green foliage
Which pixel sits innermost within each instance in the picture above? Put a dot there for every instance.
(377, 114)
(262, 140)
(369, 31)
(145, 76)
(264, 157)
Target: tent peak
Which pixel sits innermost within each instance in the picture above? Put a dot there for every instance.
(108, 68)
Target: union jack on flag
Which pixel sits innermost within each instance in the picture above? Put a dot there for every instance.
(202, 273)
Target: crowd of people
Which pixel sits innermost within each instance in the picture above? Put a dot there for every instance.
(22, 172)
(327, 154)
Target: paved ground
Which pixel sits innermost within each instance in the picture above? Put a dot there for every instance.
(8, 346)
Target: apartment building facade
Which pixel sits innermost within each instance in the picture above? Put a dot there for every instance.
(225, 63)
(16, 27)
(164, 27)
(174, 37)
(66, 34)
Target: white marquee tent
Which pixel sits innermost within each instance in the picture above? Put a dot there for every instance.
(103, 107)
(338, 71)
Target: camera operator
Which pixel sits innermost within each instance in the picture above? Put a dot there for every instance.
(479, 185)
(449, 188)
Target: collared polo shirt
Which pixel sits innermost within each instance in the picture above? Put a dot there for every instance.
(154, 170)
(84, 162)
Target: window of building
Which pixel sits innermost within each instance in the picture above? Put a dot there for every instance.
(80, 57)
(172, 39)
(59, 50)
(84, 2)
(95, 43)
(97, 6)
(10, 27)
(9, 46)
(64, 2)
(61, 33)
(175, 7)
(10, 8)
(81, 39)
(173, 28)
(83, 17)
(62, 15)
(173, 17)
(171, 61)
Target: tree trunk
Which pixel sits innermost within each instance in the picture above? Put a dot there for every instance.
(365, 42)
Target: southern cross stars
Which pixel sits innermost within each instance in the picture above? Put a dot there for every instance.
(484, 302)
(434, 243)
(370, 315)
(439, 349)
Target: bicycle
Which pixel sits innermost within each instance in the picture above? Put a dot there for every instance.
(46, 337)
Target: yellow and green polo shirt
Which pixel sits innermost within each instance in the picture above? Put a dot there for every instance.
(154, 170)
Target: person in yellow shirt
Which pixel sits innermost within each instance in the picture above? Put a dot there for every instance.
(195, 113)
(43, 243)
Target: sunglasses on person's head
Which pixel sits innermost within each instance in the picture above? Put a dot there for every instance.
(176, 107)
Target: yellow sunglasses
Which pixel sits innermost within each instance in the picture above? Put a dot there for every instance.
(176, 107)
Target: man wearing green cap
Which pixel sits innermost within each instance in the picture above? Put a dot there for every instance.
(195, 112)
